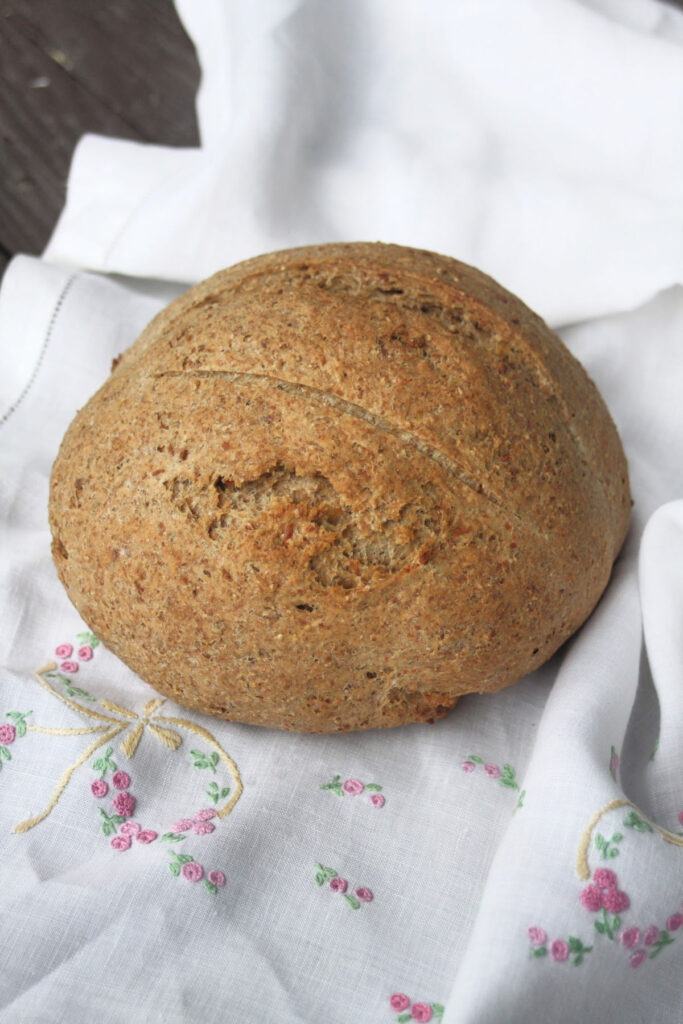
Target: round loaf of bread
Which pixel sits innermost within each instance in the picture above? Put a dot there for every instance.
(337, 487)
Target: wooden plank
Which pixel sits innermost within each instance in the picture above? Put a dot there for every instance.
(128, 71)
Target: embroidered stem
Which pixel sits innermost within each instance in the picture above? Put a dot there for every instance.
(24, 826)
(582, 868)
(183, 723)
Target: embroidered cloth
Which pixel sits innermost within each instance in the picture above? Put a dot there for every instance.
(520, 860)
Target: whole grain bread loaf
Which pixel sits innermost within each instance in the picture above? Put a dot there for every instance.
(337, 487)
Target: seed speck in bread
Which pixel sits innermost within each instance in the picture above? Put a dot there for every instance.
(336, 488)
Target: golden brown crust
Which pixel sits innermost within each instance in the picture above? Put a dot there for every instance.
(335, 488)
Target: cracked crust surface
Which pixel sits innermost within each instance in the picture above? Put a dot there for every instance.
(337, 487)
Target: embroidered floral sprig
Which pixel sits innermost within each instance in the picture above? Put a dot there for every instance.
(560, 950)
(653, 938)
(354, 787)
(200, 825)
(65, 652)
(419, 1011)
(505, 777)
(183, 864)
(10, 731)
(603, 898)
(338, 884)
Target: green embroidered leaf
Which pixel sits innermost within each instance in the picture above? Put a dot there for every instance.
(575, 945)
(654, 751)
(174, 869)
(352, 901)
(402, 1017)
(599, 841)
(599, 927)
(5, 754)
(225, 792)
(327, 873)
(372, 787)
(577, 960)
(616, 838)
(509, 783)
(319, 878)
(539, 951)
(21, 727)
(108, 828)
(437, 1009)
(75, 691)
(172, 837)
(614, 923)
(520, 802)
(88, 638)
(663, 940)
(210, 886)
(477, 760)
(182, 858)
(57, 675)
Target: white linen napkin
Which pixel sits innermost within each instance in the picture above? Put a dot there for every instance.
(524, 855)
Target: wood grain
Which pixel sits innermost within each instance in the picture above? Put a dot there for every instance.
(123, 68)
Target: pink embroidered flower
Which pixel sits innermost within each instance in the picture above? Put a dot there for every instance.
(69, 666)
(421, 1012)
(353, 787)
(121, 780)
(216, 878)
(205, 815)
(202, 828)
(615, 901)
(377, 800)
(364, 894)
(559, 950)
(674, 922)
(338, 884)
(651, 935)
(7, 733)
(537, 937)
(130, 828)
(99, 788)
(124, 804)
(630, 938)
(604, 878)
(146, 836)
(399, 1002)
(637, 958)
(85, 652)
(184, 825)
(120, 842)
(680, 817)
(467, 766)
(64, 651)
(492, 770)
(192, 871)
(591, 898)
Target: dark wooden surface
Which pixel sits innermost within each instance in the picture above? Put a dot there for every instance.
(118, 67)
(124, 68)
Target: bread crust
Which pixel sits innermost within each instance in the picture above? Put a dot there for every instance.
(337, 487)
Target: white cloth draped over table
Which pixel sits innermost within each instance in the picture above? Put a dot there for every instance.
(525, 854)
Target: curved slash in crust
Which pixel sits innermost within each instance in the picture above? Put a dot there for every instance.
(359, 412)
